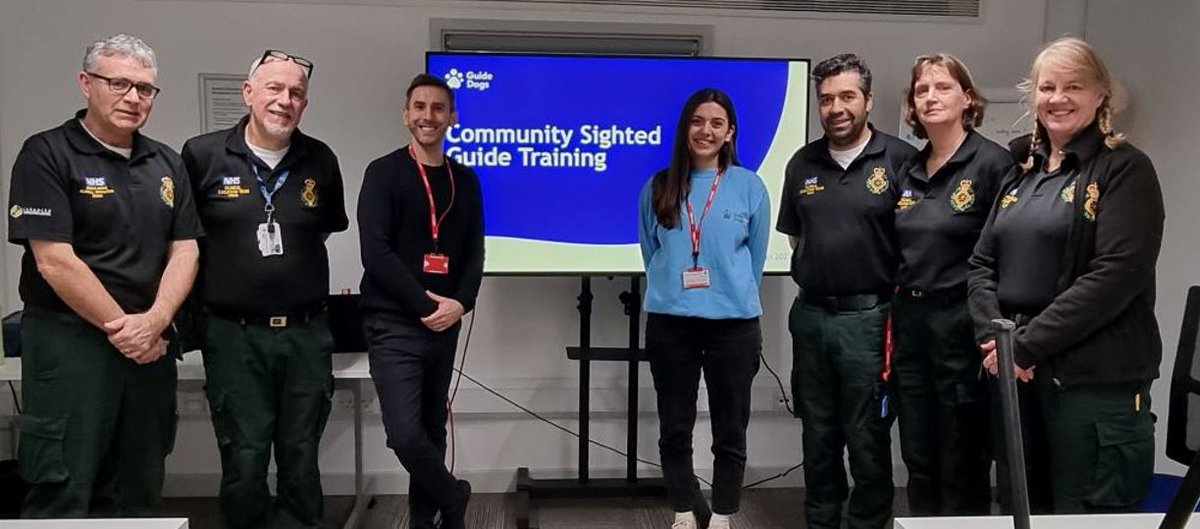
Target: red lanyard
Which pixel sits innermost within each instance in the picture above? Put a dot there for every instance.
(693, 226)
(435, 220)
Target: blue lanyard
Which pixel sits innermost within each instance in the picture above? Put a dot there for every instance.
(268, 196)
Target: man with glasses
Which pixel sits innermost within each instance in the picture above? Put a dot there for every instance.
(268, 195)
(106, 218)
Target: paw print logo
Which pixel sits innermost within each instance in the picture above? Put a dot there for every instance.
(454, 78)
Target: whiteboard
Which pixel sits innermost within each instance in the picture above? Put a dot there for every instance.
(1004, 118)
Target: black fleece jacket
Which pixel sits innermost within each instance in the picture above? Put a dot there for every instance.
(1100, 328)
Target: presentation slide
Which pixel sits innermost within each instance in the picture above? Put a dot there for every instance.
(563, 145)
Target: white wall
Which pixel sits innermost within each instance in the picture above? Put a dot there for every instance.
(364, 55)
(1151, 48)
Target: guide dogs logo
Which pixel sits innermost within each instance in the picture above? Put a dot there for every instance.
(812, 185)
(964, 197)
(906, 200)
(474, 80)
(877, 183)
(167, 191)
(96, 187)
(231, 187)
(454, 78)
(309, 195)
(1089, 204)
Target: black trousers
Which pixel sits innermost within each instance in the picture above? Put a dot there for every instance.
(269, 388)
(941, 399)
(726, 351)
(411, 366)
(842, 401)
(95, 425)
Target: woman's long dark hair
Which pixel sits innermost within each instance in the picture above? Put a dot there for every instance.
(670, 188)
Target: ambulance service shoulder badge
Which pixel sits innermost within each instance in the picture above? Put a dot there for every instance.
(167, 191)
(309, 195)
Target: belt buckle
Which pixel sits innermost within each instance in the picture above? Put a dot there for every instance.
(832, 305)
(277, 321)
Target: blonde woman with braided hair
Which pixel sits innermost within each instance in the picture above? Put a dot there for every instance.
(1068, 253)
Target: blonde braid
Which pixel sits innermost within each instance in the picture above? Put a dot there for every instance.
(1027, 166)
(1104, 120)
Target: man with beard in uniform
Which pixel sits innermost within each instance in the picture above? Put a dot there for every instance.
(269, 195)
(838, 210)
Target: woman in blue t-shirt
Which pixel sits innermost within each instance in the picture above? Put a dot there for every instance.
(703, 227)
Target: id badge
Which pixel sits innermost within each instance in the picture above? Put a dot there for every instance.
(270, 239)
(695, 278)
(436, 263)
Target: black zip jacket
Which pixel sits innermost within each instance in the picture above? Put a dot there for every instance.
(1100, 328)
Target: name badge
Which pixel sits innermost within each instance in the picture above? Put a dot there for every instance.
(270, 239)
(695, 278)
(436, 263)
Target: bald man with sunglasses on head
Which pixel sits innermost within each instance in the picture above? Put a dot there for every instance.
(269, 195)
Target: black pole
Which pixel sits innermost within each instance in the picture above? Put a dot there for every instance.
(1018, 488)
(1185, 498)
(633, 309)
(585, 373)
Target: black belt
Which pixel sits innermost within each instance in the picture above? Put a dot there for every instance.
(277, 320)
(845, 303)
(945, 294)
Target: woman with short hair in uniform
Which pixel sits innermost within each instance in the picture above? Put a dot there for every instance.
(946, 192)
(1069, 254)
(703, 228)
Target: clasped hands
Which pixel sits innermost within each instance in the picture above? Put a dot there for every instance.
(448, 312)
(988, 350)
(138, 337)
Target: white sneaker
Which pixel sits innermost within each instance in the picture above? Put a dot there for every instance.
(685, 520)
(719, 522)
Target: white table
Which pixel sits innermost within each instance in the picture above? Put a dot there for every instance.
(1066, 521)
(350, 371)
(98, 523)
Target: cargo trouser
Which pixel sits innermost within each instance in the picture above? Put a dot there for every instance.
(841, 397)
(94, 424)
(1101, 445)
(269, 386)
(942, 405)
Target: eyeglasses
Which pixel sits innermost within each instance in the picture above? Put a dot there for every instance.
(122, 86)
(276, 55)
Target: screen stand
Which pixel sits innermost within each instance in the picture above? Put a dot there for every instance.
(528, 488)
(1185, 498)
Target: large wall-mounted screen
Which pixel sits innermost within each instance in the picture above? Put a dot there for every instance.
(563, 145)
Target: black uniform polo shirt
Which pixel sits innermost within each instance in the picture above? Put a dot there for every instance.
(939, 218)
(844, 218)
(1033, 221)
(119, 215)
(234, 275)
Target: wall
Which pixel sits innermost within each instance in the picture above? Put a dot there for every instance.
(364, 55)
(1150, 47)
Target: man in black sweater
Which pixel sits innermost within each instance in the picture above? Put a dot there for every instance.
(420, 217)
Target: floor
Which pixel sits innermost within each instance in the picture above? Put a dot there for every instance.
(761, 509)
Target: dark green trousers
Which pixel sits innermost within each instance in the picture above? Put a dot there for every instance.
(94, 424)
(1101, 445)
(941, 402)
(269, 387)
(842, 402)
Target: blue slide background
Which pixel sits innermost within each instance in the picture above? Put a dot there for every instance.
(578, 204)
